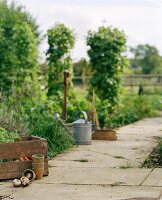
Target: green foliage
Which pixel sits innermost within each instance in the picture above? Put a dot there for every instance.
(82, 68)
(46, 127)
(61, 40)
(6, 137)
(18, 46)
(12, 115)
(105, 51)
(75, 105)
(23, 117)
(133, 108)
(146, 58)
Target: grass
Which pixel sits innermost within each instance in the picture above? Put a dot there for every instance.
(119, 157)
(57, 136)
(127, 166)
(12, 115)
(117, 184)
(82, 160)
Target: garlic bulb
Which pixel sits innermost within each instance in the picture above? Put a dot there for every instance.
(16, 182)
(24, 181)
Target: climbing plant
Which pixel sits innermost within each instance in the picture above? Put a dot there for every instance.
(105, 51)
(61, 40)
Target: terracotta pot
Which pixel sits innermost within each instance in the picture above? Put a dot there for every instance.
(29, 174)
(38, 168)
(104, 135)
(38, 158)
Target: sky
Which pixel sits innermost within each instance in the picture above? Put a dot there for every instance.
(141, 20)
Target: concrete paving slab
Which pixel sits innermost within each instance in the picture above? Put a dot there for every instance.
(87, 163)
(130, 150)
(87, 192)
(96, 176)
(155, 178)
(115, 153)
(7, 189)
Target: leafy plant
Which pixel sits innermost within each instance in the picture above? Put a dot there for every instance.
(105, 51)
(61, 40)
(6, 137)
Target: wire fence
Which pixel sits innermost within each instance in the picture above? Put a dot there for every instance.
(149, 82)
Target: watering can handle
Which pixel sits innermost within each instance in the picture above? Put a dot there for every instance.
(85, 116)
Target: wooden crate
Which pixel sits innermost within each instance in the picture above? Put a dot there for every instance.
(25, 147)
(104, 135)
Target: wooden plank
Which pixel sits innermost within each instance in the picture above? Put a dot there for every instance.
(7, 176)
(11, 170)
(23, 148)
(14, 166)
(104, 135)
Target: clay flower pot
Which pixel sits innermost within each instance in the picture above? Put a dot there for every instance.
(30, 174)
(38, 158)
(38, 165)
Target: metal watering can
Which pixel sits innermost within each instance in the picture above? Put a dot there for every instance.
(81, 129)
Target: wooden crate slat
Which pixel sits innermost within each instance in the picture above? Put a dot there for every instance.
(11, 170)
(14, 166)
(22, 148)
(10, 175)
(27, 146)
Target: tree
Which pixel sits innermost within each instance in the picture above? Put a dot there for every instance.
(105, 51)
(18, 47)
(147, 58)
(61, 40)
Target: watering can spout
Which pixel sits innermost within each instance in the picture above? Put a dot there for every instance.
(57, 118)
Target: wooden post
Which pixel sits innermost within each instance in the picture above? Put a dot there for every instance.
(131, 84)
(66, 76)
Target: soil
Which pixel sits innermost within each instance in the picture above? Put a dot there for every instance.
(155, 157)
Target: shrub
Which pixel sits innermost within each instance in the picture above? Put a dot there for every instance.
(133, 108)
(19, 40)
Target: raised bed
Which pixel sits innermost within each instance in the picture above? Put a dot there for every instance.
(25, 147)
(104, 135)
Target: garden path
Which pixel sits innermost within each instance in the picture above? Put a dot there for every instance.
(104, 170)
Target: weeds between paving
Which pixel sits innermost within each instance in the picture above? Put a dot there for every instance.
(155, 157)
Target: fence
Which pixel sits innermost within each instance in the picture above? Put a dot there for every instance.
(131, 82)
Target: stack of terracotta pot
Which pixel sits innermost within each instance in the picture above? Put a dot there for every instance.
(38, 165)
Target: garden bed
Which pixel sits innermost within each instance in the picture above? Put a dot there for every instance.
(155, 157)
(11, 167)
